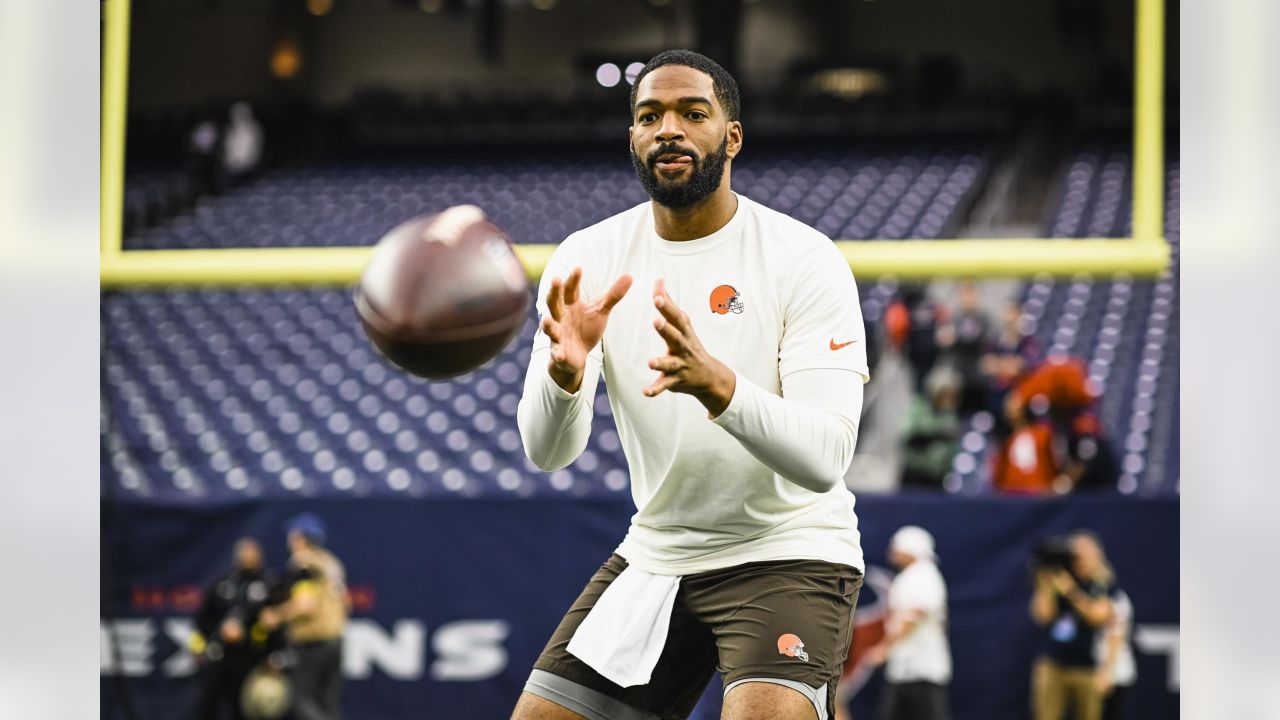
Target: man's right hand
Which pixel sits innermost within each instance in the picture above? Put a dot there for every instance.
(575, 326)
(1062, 582)
(232, 631)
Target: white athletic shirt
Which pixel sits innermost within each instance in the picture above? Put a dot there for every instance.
(924, 654)
(703, 501)
(1125, 672)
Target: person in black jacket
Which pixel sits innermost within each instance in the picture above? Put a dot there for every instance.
(229, 641)
(1072, 606)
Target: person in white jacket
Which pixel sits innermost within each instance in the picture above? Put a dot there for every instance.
(1117, 669)
(915, 650)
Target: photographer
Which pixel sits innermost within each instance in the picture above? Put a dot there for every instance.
(1072, 603)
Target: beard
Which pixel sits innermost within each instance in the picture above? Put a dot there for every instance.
(705, 175)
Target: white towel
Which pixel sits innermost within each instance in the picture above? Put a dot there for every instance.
(623, 635)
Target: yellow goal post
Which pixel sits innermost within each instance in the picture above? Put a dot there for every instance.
(1145, 254)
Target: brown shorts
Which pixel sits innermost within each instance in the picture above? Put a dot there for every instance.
(786, 621)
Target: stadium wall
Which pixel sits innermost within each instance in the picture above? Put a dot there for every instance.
(454, 599)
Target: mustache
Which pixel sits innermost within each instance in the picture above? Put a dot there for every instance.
(670, 148)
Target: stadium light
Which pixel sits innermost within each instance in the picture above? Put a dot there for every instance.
(608, 75)
(633, 72)
(319, 8)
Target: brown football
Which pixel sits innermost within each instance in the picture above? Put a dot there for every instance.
(443, 294)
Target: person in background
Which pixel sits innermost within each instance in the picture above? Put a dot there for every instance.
(1009, 355)
(963, 340)
(1028, 461)
(242, 148)
(1060, 394)
(912, 320)
(222, 642)
(1072, 606)
(315, 614)
(915, 650)
(203, 141)
(1063, 381)
(1090, 460)
(1117, 669)
(932, 433)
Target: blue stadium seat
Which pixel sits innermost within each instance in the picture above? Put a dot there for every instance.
(1126, 329)
(222, 395)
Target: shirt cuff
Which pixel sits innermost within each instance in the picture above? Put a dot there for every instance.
(742, 392)
(552, 391)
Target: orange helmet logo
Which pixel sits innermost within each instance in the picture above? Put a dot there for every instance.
(725, 300)
(791, 646)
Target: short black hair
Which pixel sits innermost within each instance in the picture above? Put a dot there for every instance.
(725, 87)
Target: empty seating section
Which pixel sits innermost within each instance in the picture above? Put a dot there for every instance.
(153, 195)
(1126, 329)
(541, 198)
(222, 395)
(254, 393)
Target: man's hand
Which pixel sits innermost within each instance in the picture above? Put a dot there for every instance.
(576, 326)
(1103, 681)
(271, 617)
(1062, 582)
(232, 631)
(876, 655)
(687, 367)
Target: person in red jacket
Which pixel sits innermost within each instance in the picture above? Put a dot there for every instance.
(1027, 462)
(1060, 393)
(1062, 381)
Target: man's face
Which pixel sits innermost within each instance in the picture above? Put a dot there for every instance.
(1086, 555)
(946, 398)
(899, 559)
(681, 140)
(248, 555)
(1012, 313)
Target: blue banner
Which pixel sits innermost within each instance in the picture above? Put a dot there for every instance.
(453, 600)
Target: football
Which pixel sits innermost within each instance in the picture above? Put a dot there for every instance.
(443, 293)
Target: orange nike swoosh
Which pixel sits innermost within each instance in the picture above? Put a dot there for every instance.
(834, 346)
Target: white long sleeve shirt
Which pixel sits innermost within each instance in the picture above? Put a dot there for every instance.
(775, 301)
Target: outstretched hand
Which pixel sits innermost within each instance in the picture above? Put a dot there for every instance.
(876, 655)
(687, 367)
(575, 326)
(1062, 582)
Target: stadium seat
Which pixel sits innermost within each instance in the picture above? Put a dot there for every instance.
(1126, 329)
(213, 395)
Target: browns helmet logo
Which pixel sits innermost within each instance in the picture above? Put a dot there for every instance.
(791, 646)
(725, 300)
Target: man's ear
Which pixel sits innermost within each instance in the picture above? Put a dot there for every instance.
(735, 139)
(631, 137)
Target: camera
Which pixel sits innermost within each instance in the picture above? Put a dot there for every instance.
(1052, 553)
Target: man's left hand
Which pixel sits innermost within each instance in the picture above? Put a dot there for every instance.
(271, 617)
(876, 655)
(687, 367)
(1063, 582)
(1102, 681)
(232, 631)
